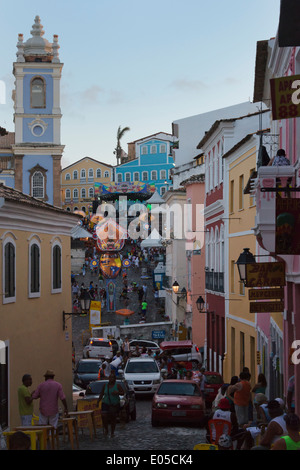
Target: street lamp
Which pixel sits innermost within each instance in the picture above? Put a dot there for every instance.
(200, 303)
(245, 258)
(175, 287)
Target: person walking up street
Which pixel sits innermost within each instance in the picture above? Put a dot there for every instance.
(110, 397)
(49, 392)
(25, 401)
(144, 308)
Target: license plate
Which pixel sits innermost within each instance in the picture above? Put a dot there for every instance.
(178, 413)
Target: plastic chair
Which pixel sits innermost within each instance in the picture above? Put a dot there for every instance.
(205, 447)
(35, 420)
(217, 427)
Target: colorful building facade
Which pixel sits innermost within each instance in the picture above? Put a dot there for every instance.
(150, 162)
(78, 182)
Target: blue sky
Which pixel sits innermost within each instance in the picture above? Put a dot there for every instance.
(137, 63)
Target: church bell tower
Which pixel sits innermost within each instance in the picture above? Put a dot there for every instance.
(37, 116)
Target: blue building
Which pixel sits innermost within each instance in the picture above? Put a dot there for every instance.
(149, 160)
(30, 157)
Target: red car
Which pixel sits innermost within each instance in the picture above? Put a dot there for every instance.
(213, 381)
(178, 401)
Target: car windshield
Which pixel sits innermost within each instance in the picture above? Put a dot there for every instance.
(213, 379)
(187, 389)
(141, 367)
(95, 388)
(89, 367)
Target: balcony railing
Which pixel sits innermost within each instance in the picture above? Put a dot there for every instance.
(214, 281)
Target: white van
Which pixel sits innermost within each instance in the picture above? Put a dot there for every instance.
(142, 375)
(98, 348)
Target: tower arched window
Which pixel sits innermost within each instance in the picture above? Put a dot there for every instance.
(38, 185)
(38, 93)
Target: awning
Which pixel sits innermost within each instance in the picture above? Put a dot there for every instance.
(79, 232)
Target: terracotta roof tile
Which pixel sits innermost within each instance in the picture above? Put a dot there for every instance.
(13, 195)
(6, 141)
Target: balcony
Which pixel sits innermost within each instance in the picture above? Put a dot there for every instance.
(265, 187)
(214, 281)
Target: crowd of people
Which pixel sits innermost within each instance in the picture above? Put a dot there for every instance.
(256, 423)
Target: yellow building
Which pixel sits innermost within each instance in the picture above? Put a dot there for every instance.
(77, 182)
(240, 211)
(35, 283)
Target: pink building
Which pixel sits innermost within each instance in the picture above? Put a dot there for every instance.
(195, 251)
(275, 62)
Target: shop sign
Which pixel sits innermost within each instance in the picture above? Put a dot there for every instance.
(265, 274)
(262, 294)
(266, 307)
(285, 97)
(287, 240)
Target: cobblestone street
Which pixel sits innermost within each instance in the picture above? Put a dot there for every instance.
(136, 435)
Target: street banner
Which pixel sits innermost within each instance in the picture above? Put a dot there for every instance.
(265, 274)
(285, 97)
(287, 240)
(95, 313)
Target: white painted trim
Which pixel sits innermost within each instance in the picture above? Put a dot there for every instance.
(241, 234)
(241, 320)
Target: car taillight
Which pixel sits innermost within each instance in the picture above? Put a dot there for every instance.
(197, 349)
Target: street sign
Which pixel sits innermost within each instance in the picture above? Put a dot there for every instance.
(262, 294)
(266, 307)
(158, 334)
(265, 274)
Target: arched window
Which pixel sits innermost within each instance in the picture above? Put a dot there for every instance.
(119, 178)
(75, 175)
(153, 148)
(56, 267)
(38, 93)
(68, 176)
(127, 177)
(68, 194)
(82, 173)
(91, 192)
(34, 270)
(75, 193)
(37, 189)
(9, 271)
(154, 175)
(144, 150)
(91, 173)
(136, 176)
(83, 192)
(98, 173)
(145, 175)
(106, 174)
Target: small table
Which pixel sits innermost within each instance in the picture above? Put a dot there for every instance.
(33, 437)
(46, 430)
(90, 417)
(71, 424)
